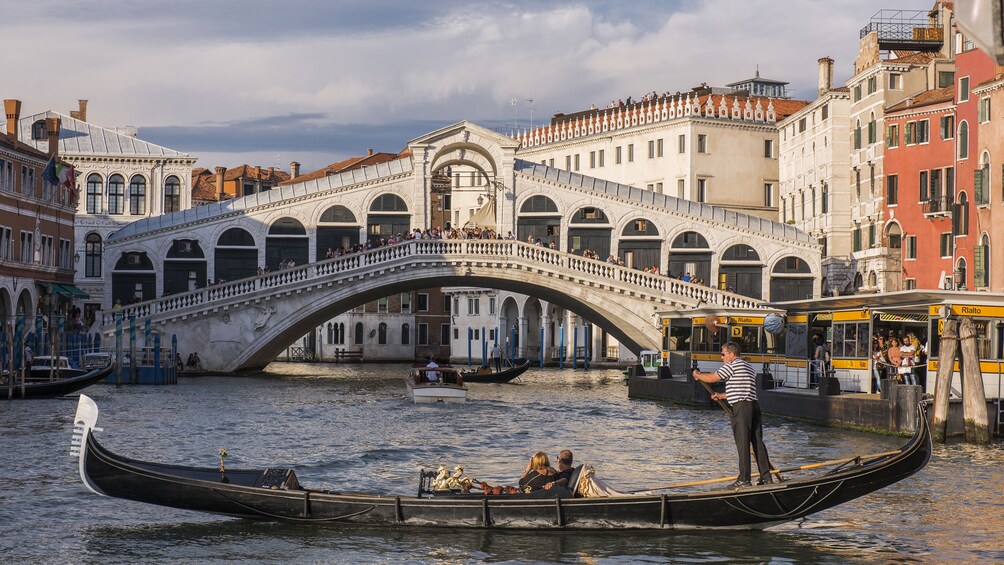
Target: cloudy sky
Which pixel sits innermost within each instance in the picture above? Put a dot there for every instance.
(269, 82)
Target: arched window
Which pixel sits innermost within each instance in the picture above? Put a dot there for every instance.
(963, 140)
(92, 255)
(538, 203)
(95, 194)
(405, 334)
(359, 333)
(340, 333)
(382, 334)
(894, 236)
(338, 214)
(331, 334)
(137, 195)
(961, 216)
(116, 194)
(172, 194)
(388, 203)
(960, 274)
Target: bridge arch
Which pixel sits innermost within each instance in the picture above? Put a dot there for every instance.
(287, 241)
(235, 254)
(467, 140)
(690, 252)
(539, 218)
(589, 227)
(337, 228)
(639, 244)
(388, 214)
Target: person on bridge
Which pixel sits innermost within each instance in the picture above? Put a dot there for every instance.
(497, 357)
(747, 425)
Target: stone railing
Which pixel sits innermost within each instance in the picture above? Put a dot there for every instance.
(591, 270)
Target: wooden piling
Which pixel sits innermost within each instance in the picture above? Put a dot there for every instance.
(948, 346)
(974, 400)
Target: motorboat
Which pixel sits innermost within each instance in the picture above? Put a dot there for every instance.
(429, 385)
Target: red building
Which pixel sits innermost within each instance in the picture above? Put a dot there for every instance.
(973, 67)
(920, 183)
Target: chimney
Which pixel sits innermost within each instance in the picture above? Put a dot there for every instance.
(294, 169)
(825, 75)
(219, 182)
(257, 171)
(80, 114)
(52, 127)
(271, 171)
(13, 110)
(369, 152)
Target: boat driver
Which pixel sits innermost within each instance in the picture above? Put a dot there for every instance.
(433, 376)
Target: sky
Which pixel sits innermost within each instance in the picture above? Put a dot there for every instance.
(266, 82)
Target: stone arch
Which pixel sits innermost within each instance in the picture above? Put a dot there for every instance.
(639, 244)
(689, 253)
(465, 156)
(589, 227)
(6, 306)
(740, 270)
(286, 241)
(387, 214)
(134, 277)
(184, 266)
(509, 318)
(235, 254)
(791, 278)
(539, 218)
(337, 227)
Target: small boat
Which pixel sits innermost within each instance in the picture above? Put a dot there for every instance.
(429, 385)
(44, 387)
(489, 375)
(45, 367)
(274, 493)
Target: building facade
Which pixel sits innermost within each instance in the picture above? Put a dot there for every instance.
(120, 179)
(36, 235)
(814, 181)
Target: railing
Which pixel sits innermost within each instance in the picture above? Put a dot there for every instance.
(433, 249)
(903, 25)
(939, 206)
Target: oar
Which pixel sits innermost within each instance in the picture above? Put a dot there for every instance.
(788, 470)
(728, 410)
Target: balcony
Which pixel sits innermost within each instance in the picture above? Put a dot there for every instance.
(905, 30)
(938, 207)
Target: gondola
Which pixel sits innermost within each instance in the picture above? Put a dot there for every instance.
(491, 376)
(42, 387)
(274, 493)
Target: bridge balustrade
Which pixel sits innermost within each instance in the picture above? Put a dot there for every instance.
(459, 248)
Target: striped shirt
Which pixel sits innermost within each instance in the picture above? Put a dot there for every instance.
(740, 380)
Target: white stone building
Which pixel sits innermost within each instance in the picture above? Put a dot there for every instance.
(814, 176)
(120, 179)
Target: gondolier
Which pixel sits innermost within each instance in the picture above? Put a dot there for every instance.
(497, 357)
(747, 429)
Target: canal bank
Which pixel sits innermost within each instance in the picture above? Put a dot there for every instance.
(893, 411)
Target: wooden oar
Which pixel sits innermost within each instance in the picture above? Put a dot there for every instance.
(788, 470)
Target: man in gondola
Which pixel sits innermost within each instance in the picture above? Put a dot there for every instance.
(747, 428)
(497, 357)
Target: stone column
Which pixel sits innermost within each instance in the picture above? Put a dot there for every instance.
(545, 344)
(598, 346)
(523, 329)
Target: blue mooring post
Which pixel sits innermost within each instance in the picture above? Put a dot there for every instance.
(60, 325)
(470, 336)
(540, 355)
(174, 358)
(575, 347)
(146, 332)
(40, 343)
(118, 348)
(132, 349)
(484, 347)
(158, 371)
(587, 345)
(561, 348)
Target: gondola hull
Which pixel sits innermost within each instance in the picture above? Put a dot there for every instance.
(503, 376)
(274, 494)
(41, 387)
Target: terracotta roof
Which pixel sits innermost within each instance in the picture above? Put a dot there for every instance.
(926, 98)
(915, 57)
(204, 186)
(347, 165)
(249, 172)
(17, 145)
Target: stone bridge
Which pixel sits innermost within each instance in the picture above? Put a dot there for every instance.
(245, 324)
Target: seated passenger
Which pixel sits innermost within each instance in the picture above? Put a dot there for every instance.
(538, 473)
(433, 376)
(565, 471)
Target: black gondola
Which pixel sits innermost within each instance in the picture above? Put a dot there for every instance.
(492, 376)
(42, 387)
(275, 494)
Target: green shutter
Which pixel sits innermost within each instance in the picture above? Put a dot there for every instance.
(908, 133)
(978, 184)
(979, 263)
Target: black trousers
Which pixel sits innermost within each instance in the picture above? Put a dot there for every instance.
(747, 428)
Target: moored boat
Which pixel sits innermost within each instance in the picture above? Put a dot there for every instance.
(429, 385)
(46, 387)
(45, 367)
(274, 493)
(489, 375)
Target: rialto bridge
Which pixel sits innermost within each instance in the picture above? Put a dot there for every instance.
(158, 266)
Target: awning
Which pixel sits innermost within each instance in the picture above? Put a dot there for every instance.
(903, 317)
(485, 217)
(62, 289)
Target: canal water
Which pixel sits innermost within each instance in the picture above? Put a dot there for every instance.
(352, 427)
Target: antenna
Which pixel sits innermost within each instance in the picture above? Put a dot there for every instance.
(515, 123)
(530, 100)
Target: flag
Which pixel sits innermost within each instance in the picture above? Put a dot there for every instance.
(49, 172)
(66, 175)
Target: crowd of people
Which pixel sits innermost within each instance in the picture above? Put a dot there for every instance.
(902, 359)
